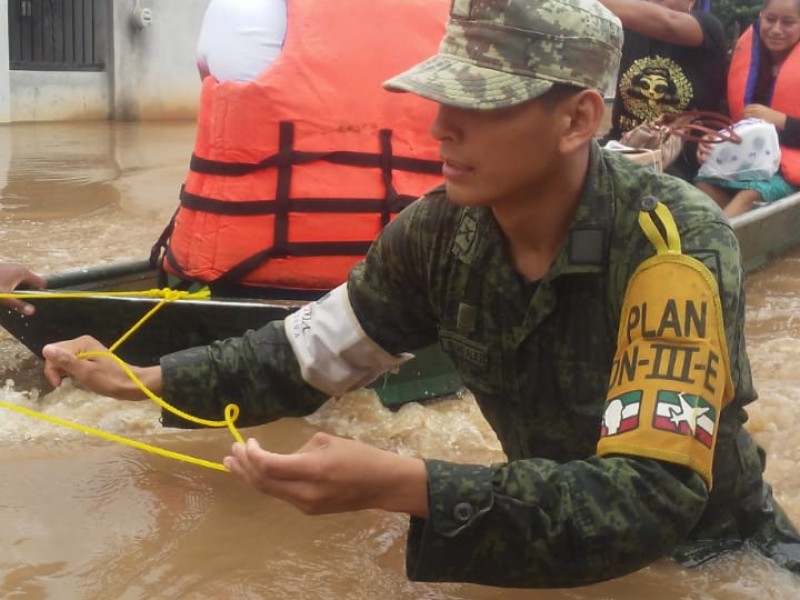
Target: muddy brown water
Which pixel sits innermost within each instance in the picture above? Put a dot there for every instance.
(83, 518)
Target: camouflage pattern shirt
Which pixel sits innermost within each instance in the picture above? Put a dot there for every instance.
(537, 358)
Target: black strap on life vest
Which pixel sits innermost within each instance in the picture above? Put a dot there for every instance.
(282, 204)
(337, 157)
(158, 250)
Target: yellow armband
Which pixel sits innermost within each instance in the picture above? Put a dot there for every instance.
(671, 373)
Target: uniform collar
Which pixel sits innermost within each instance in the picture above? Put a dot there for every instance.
(586, 246)
(479, 240)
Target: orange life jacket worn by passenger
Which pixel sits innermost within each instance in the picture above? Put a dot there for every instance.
(294, 173)
(742, 79)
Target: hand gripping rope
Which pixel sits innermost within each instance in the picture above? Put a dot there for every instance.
(231, 412)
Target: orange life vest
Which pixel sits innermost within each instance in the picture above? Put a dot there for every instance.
(742, 78)
(294, 173)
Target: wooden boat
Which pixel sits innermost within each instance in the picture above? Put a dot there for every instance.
(763, 234)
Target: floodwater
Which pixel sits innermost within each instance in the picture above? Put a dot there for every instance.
(82, 518)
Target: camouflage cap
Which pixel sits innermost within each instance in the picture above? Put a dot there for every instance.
(497, 53)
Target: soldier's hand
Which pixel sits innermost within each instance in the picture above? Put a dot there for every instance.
(331, 474)
(99, 374)
(12, 276)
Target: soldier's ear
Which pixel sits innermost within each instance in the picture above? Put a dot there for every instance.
(580, 117)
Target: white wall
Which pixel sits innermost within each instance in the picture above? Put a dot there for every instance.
(5, 98)
(58, 95)
(154, 75)
(150, 73)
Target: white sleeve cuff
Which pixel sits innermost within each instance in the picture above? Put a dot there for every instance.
(334, 352)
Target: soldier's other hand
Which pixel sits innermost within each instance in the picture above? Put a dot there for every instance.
(331, 474)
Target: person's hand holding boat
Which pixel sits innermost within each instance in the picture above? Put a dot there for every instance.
(12, 276)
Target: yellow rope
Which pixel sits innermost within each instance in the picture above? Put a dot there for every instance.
(231, 412)
(114, 437)
(166, 293)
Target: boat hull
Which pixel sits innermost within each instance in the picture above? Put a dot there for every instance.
(768, 231)
(186, 323)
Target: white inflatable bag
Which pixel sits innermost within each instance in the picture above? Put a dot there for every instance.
(758, 157)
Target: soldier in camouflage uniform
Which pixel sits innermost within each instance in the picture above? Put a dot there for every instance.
(520, 266)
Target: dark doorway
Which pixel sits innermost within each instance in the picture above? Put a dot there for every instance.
(57, 35)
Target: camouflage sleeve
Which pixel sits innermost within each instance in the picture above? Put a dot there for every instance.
(537, 523)
(257, 371)
(392, 289)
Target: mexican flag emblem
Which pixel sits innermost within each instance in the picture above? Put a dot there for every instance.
(686, 414)
(621, 413)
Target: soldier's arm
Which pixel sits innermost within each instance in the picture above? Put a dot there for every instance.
(537, 523)
(286, 368)
(290, 368)
(257, 371)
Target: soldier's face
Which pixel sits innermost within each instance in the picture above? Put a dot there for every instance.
(494, 157)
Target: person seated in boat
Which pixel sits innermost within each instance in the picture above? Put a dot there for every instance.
(764, 83)
(593, 306)
(12, 276)
(674, 59)
(300, 157)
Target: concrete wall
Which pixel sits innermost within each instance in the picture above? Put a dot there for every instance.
(58, 95)
(5, 97)
(150, 72)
